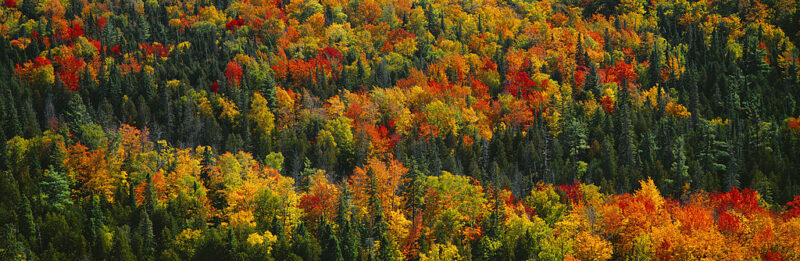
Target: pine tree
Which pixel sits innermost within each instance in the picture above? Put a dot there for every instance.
(576, 135)
(55, 189)
(13, 248)
(305, 175)
(233, 245)
(694, 96)
(282, 248)
(713, 155)
(305, 246)
(95, 215)
(375, 208)
(489, 246)
(344, 79)
(268, 90)
(387, 249)
(625, 138)
(383, 73)
(77, 115)
(331, 250)
(609, 159)
(735, 130)
(654, 71)
(347, 233)
(592, 82)
(121, 249)
(150, 198)
(101, 245)
(580, 54)
(146, 233)
(413, 192)
(480, 24)
(27, 223)
(363, 73)
(679, 168)
(752, 61)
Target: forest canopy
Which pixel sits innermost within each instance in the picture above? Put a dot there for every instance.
(399, 130)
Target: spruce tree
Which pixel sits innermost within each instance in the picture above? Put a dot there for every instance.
(331, 250)
(145, 231)
(121, 249)
(346, 232)
(27, 224)
(55, 189)
(304, 245)
(76, 114)
(679, 168)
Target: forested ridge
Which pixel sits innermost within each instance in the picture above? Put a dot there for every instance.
(399, 130)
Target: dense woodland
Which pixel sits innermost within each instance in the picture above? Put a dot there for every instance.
(399, 129)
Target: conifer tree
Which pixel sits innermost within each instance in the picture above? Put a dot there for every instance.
(331, 250)
(55, 189)
(679, 168)
(347, 232)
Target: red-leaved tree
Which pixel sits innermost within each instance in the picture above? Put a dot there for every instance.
(234, 73)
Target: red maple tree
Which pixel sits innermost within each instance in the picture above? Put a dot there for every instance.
(234, 73)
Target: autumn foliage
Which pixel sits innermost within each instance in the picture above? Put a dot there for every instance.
(234, 73)
(391, 130)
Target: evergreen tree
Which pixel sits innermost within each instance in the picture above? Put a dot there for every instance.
(654, 71)
(387, 248)
(121, 249)
(735, 130)
(304, 245)
(146, 233)
(76, 114)
(609, 160)
(679, 168)
(268, 90)
(488, 247)
(27, 224)
(346, 232)
(413, 192)
(331, 250)
(383, 73)
(12, 247)
(713, 154)
(95, 217)
(55, 189)
(625, 139)
(233, 245)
